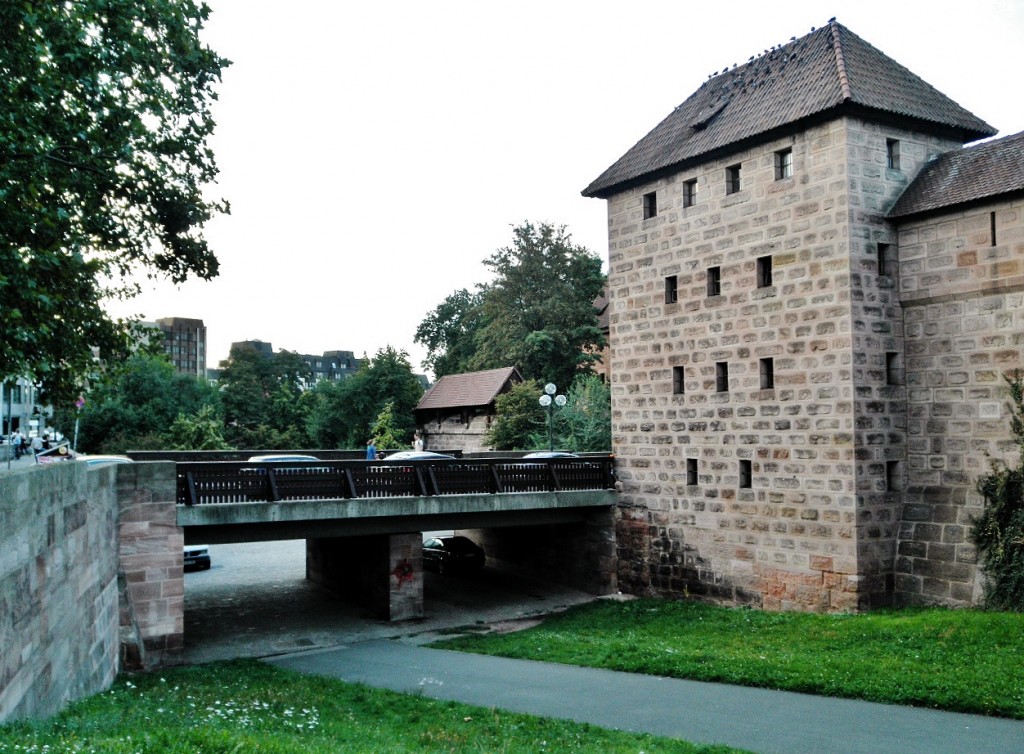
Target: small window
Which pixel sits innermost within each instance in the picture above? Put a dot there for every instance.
(746, 475)
(767, 371)
(783, 164)
(892, 154)
(992, 226)
(671, 289)
(892, 476)
(714, 281)
(722, 377)
(764, 272)
(678, 380)
(884, 259)
(732, 179)
(893, 368)
(690, 193)
(691, 471)
(650, 205)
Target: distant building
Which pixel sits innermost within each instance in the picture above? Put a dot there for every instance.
(330, 365)
(184, 342)
(456, 413)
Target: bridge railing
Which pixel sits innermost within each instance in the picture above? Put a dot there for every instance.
(241, 482)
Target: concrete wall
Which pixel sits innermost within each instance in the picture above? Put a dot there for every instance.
(58, 587)
(817, 527)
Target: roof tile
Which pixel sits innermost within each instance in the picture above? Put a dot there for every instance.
(469, 389)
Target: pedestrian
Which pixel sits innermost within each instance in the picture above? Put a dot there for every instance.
(37, 445)
(417, 441)
(16, 441)
(371, 450)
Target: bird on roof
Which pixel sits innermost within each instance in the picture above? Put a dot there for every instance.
(832, 20)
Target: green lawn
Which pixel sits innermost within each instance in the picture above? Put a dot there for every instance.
(246, 706)
(964, 660)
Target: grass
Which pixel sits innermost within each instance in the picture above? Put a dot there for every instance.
(962, 660)
(247, 706)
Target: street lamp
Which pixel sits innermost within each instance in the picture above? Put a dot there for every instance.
(547, 402)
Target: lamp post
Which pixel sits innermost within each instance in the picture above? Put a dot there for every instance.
(549, 403)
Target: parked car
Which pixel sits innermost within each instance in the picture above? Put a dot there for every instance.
(197, 557)
(276, 457)
(103, 460)
(415, 455)
(450, 554)
(551, 454)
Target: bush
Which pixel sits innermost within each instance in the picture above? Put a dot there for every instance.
(999, 532)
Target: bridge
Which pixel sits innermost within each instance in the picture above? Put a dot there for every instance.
(363, 520)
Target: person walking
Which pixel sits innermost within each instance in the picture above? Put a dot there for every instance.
(417, 441)
(16, 441)
(37, 445)
(371, 450)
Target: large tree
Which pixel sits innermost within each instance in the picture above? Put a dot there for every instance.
(103, 131)
(135, 403)
(536, 314)
(265, 406)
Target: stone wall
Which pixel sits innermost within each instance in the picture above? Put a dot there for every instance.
(455, 433)
(963, 296)
(58, 587)
(815, 524)
(151, 566)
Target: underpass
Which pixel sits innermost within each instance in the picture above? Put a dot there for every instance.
(255, 601)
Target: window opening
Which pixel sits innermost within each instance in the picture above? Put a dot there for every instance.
(892, 154)
(767, 373)
(764, 272)
(690, 193)
(671, 289)
(783, 164)
(678, 380)
(714, 281)
(650, 205)
(722, 377)
(746, 475)
(691, 471)
(732, 179)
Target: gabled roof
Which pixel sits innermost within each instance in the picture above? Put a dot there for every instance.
(469, 389)
(983, 171)
(820, 75)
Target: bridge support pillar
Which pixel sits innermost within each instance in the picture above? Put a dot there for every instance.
(382, 571)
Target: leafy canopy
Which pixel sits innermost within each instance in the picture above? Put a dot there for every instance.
(103, 131)
(537, 313)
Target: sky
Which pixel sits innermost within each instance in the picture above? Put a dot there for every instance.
(374, 153)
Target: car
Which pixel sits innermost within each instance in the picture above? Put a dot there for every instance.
(451, 554)
(197, 557)
(276, 457)
(103, 460)
(415, 455)
(551, 454)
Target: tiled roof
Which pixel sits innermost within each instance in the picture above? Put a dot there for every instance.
(831, 70)
(470, 389)
(966, 175)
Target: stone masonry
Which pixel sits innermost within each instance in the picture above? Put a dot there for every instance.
(817, 527)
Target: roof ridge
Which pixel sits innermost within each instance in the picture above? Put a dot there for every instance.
(837, 46)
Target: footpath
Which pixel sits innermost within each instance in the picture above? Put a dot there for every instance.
(758, 720)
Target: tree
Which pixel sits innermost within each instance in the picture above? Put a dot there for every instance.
(103, 129)
(136, 403)
(449, 333)
(204, 431)
(519, 418)
(344, 413)
(584, 424)
(537, 314)
(264, 403)
(385, 432)
(999, 532)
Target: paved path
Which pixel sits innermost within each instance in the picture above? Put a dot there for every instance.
(758, 720)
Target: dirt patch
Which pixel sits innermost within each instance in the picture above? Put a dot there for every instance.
(511, 626)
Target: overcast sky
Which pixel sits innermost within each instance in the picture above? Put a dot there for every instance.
(374, 153)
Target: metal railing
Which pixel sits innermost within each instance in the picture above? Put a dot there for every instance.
(240, 482)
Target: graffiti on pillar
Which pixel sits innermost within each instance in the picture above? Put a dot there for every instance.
(403, 572)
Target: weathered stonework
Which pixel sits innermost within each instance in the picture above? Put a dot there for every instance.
(820, 522)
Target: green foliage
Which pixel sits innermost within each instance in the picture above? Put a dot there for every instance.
(264, 403)
(999, 531)
(250, 706)
(137, 402)
(537, 314)
(449, 333)
(519, 418)
(343, 414)
(889, 656)
(103, 155)
(204, 431)
(385, 432)
(584, 424)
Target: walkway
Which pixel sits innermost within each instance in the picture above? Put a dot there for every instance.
(758, 720)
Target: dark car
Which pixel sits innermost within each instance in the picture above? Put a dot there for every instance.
(197, 557)
(450, 554)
